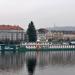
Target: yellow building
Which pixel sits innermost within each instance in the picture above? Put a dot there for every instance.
(54, 35)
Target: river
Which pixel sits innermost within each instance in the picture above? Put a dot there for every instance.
(48, 63)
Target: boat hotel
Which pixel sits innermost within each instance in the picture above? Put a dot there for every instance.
(27, 46)
(46, 46)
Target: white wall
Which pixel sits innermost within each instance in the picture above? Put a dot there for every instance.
(11, 34)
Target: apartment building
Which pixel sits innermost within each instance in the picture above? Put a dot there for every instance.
(11, 33)
(41, 34)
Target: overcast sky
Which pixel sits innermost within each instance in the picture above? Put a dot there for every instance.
(44, 13)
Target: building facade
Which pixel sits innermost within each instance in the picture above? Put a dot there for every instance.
(41, 34)
(65, 33)
(11, 33)
(69, 35)
(61, 35)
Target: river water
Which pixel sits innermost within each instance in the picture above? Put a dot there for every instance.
(48, 63)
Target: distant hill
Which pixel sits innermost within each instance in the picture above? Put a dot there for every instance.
(64, 28)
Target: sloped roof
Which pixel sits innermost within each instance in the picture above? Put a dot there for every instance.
(42, 30)
(10, 27)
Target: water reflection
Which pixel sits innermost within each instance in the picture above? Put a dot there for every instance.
(53, 58)
(12, 61)
(57, 58)
(17, 61)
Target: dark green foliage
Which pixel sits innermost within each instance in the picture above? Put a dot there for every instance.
(31, 32)
(49, 40)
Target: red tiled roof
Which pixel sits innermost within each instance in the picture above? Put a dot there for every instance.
(10, 27)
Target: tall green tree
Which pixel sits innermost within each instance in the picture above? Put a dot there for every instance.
(31, 32)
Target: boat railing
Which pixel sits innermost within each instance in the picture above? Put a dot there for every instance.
(45, 45)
